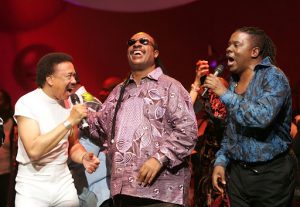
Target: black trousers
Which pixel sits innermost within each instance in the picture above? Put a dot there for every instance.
(4, 188)
(130, 201)
(263, 185)
(107, 203)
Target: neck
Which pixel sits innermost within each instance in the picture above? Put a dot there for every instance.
(244, 80)
(246, 76)
(48, 92)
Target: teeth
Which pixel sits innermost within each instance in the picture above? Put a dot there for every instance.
(136, 52)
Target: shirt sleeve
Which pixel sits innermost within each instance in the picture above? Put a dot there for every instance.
(221, 158)
(100, 122)
(259, 112)
(181, 120)
(22, 108)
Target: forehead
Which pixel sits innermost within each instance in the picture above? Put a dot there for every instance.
(142, 35)
(240, 36)
(64, 67)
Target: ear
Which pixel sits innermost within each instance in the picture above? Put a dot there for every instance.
(156, 53)
(255, 52)
(49, 80)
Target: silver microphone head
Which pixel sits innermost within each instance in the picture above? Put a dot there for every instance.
(219, 69)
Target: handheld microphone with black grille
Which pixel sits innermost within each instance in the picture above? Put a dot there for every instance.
(75, 100)
(218, 71)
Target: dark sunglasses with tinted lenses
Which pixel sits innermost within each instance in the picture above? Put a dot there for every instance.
(143, 41)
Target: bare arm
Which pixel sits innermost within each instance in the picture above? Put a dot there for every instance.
(80, 155)
(37, 144)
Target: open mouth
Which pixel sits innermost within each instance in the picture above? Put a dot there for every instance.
(70, 89)
(137, 53)
(230, 60)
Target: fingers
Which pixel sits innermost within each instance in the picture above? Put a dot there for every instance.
(151, 178)
(210, 81)
(297, 118)
(142, 175)
(203, 70)
(202, 67)
(90, 162)
(144, 178)
(91, 168)
(216, 183)
(218, 178)
(78, 112)
(91, 155)
(202, 62)
(148, 172)
(82, 109)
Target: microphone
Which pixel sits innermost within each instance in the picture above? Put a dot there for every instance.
(218, 71)
(2, 135)
(75, 100)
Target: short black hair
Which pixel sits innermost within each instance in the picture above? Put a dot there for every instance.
(263, 41)
(46, 64)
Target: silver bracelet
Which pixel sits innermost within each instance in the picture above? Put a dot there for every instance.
(67, 124)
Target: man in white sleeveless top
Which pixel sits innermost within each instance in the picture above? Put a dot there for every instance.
(48, 134)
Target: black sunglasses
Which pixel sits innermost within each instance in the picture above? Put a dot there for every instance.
(143, 41)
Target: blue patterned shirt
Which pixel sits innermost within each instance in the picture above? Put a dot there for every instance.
(259, 121)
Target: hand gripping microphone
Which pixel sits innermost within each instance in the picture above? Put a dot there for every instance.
(218, 71)
(75, 100)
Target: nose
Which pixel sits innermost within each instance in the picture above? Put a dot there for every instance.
(137, 44)
(73, 79)
(228, 49)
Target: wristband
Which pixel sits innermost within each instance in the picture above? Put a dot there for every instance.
(67, 124)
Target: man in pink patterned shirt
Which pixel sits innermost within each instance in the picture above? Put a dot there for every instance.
(150, 125)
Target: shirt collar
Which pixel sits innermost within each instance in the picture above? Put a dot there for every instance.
(266, 62)
(154, 74)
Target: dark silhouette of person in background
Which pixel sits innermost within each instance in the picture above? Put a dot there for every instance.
(24, 69)
(7, 151)
(211, 115)
(107, 86)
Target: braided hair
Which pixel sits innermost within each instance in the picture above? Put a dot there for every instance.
(263, 41)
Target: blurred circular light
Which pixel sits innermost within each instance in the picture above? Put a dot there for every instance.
(130, 5)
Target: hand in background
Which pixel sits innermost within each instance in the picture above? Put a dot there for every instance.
(297, 119)
(90, 162)
(201, 71)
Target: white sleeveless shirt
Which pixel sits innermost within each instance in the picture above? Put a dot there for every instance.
(48, 113)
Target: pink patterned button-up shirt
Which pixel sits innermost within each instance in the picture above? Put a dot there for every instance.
(156, 119)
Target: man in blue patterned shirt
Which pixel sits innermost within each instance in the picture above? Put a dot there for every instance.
(255, 147)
